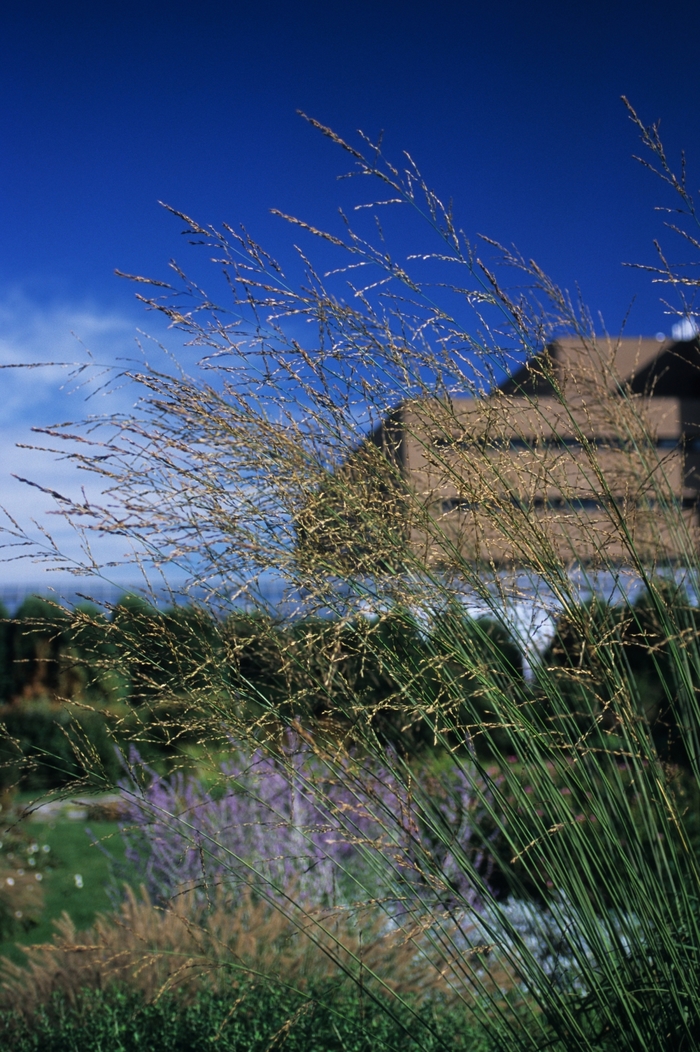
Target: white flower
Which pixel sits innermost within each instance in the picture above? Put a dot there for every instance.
(78, 880)
(46, 849)
(10, 881)
(38, 876)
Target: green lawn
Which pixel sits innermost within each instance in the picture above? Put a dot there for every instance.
(71, 854)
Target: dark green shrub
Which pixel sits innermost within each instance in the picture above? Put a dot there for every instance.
(165, 652)
(37, 640)
(5, 655)
(368, 674)
(253, 1018)
(50, 744)
(642, 658)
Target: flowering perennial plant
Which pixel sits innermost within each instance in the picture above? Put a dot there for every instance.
(289, 819)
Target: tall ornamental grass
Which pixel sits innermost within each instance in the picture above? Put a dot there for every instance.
(560, 909)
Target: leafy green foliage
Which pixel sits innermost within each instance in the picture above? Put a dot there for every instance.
(145, 675)
(653, 642)
(254, 1018)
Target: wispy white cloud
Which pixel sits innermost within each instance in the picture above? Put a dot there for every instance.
(87, 346)
(68, 336)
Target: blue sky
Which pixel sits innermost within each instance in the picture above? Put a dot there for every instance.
(511, 109)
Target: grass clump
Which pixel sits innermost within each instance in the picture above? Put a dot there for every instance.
(411, 506)
(233, 966)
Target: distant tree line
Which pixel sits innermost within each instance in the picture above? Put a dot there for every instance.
(73, 682)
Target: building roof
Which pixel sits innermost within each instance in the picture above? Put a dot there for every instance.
(667, 369)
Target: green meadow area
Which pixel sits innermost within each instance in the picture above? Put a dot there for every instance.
(72, 854)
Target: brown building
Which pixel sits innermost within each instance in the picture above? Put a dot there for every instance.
(584, 455)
